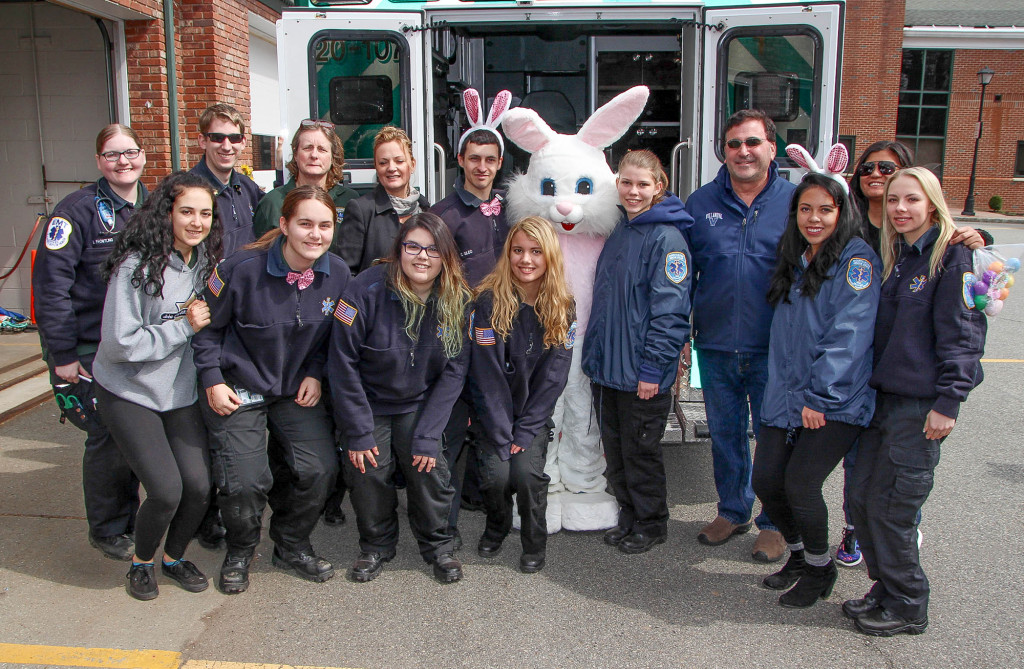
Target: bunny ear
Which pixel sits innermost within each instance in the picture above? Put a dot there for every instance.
(498, 108)
(472, 101)
(611, 121)
(837, 159)
(526, 128)
(799, 155)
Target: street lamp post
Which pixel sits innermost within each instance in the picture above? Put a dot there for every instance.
(984, 77)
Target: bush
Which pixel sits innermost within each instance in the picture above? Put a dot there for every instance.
(995, 203)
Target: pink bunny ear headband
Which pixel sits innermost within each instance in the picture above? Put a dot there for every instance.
(476, 116)
(835, 162)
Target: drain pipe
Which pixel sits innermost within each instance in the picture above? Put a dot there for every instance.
(172, 84)
(109, 44)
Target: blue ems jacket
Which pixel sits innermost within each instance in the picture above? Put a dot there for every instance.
(265, 336)
(479, 236)
(640, 316)
(236, 206)
(66, 282)
(376, 369)
(515, 382)
(929, 336)
(820, 352)
(733, 248)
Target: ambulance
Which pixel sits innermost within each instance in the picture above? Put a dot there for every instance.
(364, 64)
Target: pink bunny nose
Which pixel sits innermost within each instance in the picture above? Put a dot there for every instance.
(564, 208)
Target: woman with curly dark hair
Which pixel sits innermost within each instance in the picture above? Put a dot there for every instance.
(145, 376)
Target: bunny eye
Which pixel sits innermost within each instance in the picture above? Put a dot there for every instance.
(547, 187)
(584, 186)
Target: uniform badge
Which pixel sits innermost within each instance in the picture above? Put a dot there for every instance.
(441, 331)
(215, 283)
(858, 274)
(675, 266)
(472, 317)
(341, 214)
(345, 312)
(969, 280)
(485, 336)
(105, 208)
(917, 283)
(570, 337)
(58, 233)
(327, 306)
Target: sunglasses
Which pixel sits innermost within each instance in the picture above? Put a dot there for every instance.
(114, 156)
(312, 123)
(219, 137)
(885, 167)
(751, 142)
(413, 249)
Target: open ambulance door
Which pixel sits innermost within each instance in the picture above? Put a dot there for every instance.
(784, 60)
(360, 71)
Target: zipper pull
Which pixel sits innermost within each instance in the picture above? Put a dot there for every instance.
(412, 357)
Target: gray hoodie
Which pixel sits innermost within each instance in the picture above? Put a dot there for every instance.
(144, 354)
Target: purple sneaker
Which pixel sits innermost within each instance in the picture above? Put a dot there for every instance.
(848, 553)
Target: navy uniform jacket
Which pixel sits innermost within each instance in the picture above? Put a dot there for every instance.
(639, 321)
(369, 228)
(265, 335)
(236, 205)
(515, 382)
(820, 351)
(479, 236)
(734, 249)
(929, 335)
(66, 283)
(376, 369)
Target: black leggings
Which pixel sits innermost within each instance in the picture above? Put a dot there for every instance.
(789, 473)
(168, 452)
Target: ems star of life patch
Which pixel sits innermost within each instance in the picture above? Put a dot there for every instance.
(215, 283)
(858, 274)
(485, 336)
(675, 266)
(58, 233)
(327, 306)
(345, 312)
(969, 280)
(570, 336)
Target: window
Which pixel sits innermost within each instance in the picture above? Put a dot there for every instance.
(850, 142)
(924, 104)
(356, 84)
(1018, 165)
(777, 70)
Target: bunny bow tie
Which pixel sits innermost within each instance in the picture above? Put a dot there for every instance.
(492, 208)
(304, 278)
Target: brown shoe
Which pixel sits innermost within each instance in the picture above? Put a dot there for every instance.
(769, 547)
(720, 530)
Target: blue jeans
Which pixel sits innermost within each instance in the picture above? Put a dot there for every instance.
(734, 383)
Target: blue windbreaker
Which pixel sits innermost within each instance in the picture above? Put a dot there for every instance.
(640, 316)
(820, 353)
(733, 248)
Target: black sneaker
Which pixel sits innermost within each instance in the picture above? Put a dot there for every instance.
(140, 582)
(118, 547)
(186, 574)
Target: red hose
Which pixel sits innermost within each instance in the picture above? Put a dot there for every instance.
(24, 249)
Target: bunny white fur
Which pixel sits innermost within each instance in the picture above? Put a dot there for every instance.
(582, 220)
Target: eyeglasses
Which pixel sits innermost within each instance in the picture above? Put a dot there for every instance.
(413, 249)
(885, 167)
(219, 137)
(751, 142)
(114, 156)
(313, 123)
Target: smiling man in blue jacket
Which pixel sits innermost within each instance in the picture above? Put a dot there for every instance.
(738, 219)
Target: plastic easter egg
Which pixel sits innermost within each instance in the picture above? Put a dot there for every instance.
(981, 301)
(1004, 293)
(980, 288)
(996, 267)
(1010, 281)
(994, 307)
(1013, 264)
(988, 277)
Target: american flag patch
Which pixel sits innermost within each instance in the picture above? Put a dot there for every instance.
(485, 336)
(345, 312)
(215, 283)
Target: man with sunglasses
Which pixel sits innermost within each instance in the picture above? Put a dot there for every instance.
(222, 139)
(738, 219)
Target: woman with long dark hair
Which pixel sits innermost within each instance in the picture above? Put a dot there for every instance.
(397, 362)
(145, 376)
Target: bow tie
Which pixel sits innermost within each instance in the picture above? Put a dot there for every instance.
(304, 278)
(492, 208)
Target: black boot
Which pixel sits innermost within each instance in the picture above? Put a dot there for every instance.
(788, 575)
(816, 582)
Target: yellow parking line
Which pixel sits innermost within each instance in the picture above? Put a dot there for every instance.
(88, 657)
(1001, 360)
(202, 664)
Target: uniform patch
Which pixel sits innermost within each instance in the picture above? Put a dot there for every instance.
(917, 283)
(472, 317)
(345, 312)
(327, 306)
(341, 214)
(484, 336)
(570, 336)
(858, 274)
(215, 283)
(969, 280)
(675, 266)
(441, 331)
(58, 233)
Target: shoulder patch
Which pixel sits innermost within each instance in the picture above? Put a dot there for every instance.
(858, 274)
(345, 312)
(675, 266)
(484, 336)
(968, 292)
(58, 233)
(215, 283)
(570, 336)
(341, 214)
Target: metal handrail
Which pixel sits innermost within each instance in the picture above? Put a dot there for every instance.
(674, 163)
(441, 192)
